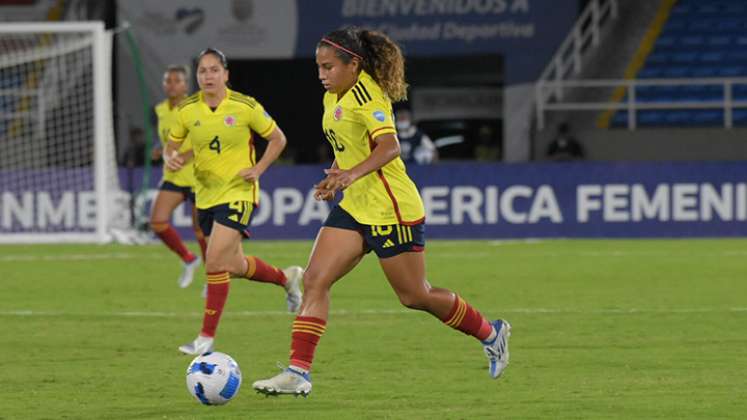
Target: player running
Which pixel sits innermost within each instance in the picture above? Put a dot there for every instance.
(219, 122)
(176, 186)
(362, 72)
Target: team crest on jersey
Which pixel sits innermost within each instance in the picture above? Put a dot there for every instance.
(229, 121)
(197, 123)
(338, 113)
(379, 115)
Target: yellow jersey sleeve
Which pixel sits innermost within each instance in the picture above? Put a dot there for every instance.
(260, 120)
(178, 131)
(376, 116)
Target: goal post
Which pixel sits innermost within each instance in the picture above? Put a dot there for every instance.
(58, 173)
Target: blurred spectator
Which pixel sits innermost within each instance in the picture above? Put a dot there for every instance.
(564, 146)
(415, 146)
(486, 148)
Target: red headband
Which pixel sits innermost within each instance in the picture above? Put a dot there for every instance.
(341, 48)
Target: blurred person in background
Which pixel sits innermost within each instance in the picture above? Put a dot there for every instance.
(176, 187)
(415, 146)
(487, 149)
(564, 146)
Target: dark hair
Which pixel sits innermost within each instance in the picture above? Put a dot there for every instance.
(217, 53)
(380, 56)
(179, 68)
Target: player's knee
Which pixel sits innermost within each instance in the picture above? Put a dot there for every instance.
(158, 225)
(312, 284)
(416, 301)
(198, 233)
(215, 265)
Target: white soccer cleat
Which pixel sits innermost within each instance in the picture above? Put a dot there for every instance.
(289, 381)
(188, 272)
(201, 345)
(294, 274)
(497, 349)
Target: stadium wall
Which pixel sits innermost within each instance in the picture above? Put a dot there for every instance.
(659, 144)
(469, 200)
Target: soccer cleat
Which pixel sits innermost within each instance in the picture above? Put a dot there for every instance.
(201, 345)
(294, 276)
(497, 349)
(289, 381)
(188, 272)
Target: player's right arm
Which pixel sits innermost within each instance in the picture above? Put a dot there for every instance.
(178, 132)
(174, 161)
(322, 190)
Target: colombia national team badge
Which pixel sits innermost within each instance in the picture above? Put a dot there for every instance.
(229, 121)
(338, 113)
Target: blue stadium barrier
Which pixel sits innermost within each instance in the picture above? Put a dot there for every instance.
(463, 200)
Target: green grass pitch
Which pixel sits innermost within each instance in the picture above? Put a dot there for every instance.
(626, 329)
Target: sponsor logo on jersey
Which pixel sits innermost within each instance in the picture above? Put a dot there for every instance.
(379, 115)
(338, 113)
(229, 121)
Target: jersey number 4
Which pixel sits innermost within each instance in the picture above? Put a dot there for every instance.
(332, 138)
(215, 144)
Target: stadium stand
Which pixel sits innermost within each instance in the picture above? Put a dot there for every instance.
(701, 39)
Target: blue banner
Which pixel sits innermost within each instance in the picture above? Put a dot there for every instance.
(462, 200)
(526, 32)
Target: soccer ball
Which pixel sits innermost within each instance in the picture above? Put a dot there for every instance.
(213, 378)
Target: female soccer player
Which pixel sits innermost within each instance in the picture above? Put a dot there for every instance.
(362, 72)
(219, 122)
(176, 186)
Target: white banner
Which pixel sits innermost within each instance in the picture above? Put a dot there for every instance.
(174, 32)
(177, 31)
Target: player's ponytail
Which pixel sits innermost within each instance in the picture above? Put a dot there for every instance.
(379, 55)
(385, 62)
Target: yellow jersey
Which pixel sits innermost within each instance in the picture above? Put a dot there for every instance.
(223, 145)
(166, 115)
(386, 196)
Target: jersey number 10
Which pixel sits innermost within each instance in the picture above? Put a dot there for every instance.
(332, 138)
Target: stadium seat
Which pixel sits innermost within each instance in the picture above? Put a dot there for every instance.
(701, 39)
(739, 117)
(739, 92)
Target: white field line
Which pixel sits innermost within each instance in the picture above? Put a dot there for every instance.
(433, 254)
(344, 312)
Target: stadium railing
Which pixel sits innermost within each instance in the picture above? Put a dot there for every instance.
(586, 33)
(632, 104)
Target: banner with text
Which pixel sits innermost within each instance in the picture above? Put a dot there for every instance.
(526, 32)
(467, 200)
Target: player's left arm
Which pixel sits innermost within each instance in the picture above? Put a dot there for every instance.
(261, 122)
(276, 143)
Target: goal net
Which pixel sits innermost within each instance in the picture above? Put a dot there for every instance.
(58, 173)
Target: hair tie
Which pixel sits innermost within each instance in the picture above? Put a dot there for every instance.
(341, 48)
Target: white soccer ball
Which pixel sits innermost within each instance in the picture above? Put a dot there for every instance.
(213, 378)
